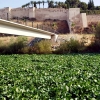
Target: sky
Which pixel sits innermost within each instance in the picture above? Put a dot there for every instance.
(19, 3)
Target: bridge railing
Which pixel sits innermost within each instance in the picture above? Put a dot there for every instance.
(31, 24)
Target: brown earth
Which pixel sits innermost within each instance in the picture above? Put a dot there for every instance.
(91, 28)
(57, 26)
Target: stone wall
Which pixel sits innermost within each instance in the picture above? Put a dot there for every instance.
(23, 12)
(5, 12)
(51, 13)
(32, 13)
(93, 18)
(73, 12)
(70, 15)
(40, 14)
(19, 12)
(84, 20)
(74, 17)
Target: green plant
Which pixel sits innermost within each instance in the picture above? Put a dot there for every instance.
(54, 26)
(93, 28)
(13, 46)
(71, 46)
(91, 12)
(43, 47)
(97, 33)
(17, 45)
(83, 41)
(95, 44)
(50, 77)
(25, 50)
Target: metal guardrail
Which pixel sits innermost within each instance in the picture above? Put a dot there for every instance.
(42, 27)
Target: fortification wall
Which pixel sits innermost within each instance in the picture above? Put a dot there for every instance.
(32, 12)
(83, 20)
(74, 18)
(40, 14)
(51, 13)
(23, 12)
(20, 12)
(71, 15)
(4, 12)
(93, 18)
(73, 12)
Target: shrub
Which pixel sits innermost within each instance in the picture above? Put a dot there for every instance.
(14, 46)
(95, 44)
(3, 49)
(24, 50)
(91, 12)
(94, 47)
(71, 46)
(97, 33)
(42, 47)
(17, 45)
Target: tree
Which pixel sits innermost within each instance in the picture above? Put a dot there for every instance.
(59, 4)
(27, 5)
(72, 3)
(32, 2)
(83, 6)
(65, 6)
(56, 4)
(43, 3)
(97, 7)
(91, 5)
(35, 4)
(39, 2)
(23, 6)
(48, 1)
(51, 4)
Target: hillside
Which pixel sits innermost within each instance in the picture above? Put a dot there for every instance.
(57, 26)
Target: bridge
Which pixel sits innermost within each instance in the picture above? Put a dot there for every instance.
(9, 27)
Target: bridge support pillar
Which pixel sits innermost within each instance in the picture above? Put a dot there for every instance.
(54, 38)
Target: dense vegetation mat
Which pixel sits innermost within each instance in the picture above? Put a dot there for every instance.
(50, 77)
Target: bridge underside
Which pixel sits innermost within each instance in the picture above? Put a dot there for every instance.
(18, 29)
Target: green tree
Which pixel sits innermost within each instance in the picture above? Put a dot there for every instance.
(23, 6)
(43, 3)
(59, 4)
(28, 4)
(97, 8)
(51, 4)
(39, 2)
(32, 2)
(65, 6)
(83, 6)
(56, 4)
(72, 3)
(91, 5)
(35, 4)
(48, 1)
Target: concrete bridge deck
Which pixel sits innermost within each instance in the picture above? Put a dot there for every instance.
(9, 27)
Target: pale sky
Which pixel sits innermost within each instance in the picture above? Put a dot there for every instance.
(19, 3)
